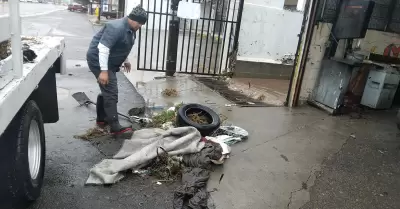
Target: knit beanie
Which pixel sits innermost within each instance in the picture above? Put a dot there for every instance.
(138, 14)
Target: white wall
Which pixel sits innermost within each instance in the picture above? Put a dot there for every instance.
(130, 4)
(314, 60)
(268, 33)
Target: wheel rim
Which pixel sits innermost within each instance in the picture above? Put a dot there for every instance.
(34, 149)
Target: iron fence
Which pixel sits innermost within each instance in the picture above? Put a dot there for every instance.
(203, 45)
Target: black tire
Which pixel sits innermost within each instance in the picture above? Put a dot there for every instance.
(214, 120)
(22, 189)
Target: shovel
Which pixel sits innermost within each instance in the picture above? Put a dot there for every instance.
(83, 99)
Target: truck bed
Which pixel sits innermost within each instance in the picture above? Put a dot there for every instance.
(15, 91)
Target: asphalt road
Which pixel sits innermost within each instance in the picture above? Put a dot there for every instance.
(29, 9)
(68, 159)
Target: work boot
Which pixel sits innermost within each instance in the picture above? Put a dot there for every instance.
(101, 114)
(117, 130)
(110, 108)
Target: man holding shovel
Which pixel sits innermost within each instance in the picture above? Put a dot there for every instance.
(107, 52)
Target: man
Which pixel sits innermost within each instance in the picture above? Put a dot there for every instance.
(107, 52)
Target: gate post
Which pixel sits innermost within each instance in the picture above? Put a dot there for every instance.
(173, 34)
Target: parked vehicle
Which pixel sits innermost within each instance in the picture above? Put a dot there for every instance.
(109, 15)
(28, 100)
(77, 8)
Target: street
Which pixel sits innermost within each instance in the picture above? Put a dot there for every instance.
(31, 9)
(68, 159)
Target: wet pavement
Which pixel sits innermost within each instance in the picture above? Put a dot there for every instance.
(293, 158)
(31, 9)
(68, 159)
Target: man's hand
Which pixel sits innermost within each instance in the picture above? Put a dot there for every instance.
(128, 67)
(103, 78)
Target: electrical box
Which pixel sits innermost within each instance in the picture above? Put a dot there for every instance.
(380, 88)
(353, 19)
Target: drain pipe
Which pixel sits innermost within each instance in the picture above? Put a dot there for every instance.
(299, 46)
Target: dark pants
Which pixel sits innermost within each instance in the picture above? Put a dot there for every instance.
(109, 94)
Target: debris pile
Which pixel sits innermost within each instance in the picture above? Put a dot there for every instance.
(199, 118)
(170, 92)
(5, 49)
(92, 133)
(28, 54)
(180, 152)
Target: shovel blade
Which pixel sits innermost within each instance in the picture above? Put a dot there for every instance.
(81, 98)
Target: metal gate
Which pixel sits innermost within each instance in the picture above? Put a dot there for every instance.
(170, 44)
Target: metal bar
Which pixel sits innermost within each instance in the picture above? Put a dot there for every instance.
(239, 20)
(190, 37)
(194, 45)
(16, 44)
(152, 35)
(159, 34)
(307, 43)
(183, 45)
(145, 42)
(208, 32)
(203, 18)
(226, 27)
(230, 35)
(201, 37)
(165, 35)
(219, 37)
(213, 38)
(173, 38)
(154, 70)
(392, 7)
(140, 40)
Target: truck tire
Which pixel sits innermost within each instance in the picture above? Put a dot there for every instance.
(25, 140)
(213, 118)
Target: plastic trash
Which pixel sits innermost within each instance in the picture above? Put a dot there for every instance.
(230, 134)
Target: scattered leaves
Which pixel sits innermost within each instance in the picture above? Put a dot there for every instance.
(5, 49)
(92, 133)
(170, 92)
(163, 117)
(198, 117)
(261, 97)
(304, 185)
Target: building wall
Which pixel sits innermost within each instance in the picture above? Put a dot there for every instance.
(374, 42)
(382, 43)
(268, 33)
(153, 19)
(314, 61)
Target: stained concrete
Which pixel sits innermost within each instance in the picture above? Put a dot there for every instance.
(68, 160)
(286, 151)
(275, 168)
(250, 69)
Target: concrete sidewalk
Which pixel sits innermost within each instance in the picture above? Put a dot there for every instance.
(94, 20)
(287, 148)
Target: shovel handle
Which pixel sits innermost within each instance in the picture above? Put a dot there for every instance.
(120, 114)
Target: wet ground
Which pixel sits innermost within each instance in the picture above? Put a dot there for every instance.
(69, 159)
(29, 9)
(294, 157)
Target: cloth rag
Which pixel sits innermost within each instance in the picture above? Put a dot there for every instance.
(142, 148)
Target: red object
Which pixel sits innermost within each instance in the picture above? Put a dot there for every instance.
(77, 7)
(122, 131)
(203, 139)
